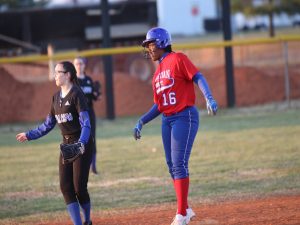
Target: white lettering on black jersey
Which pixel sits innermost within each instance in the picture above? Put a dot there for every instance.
(66, 110)
(87, 89)
(65, 117)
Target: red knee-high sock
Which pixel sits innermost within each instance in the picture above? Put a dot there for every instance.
(182, 189)
(187, 203)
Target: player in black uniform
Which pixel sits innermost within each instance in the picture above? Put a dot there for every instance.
(92, 93)
(69, 109)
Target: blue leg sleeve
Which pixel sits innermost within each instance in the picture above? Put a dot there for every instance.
(86, 208)
(74, 213)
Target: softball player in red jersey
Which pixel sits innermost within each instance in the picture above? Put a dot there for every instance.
(174, 98)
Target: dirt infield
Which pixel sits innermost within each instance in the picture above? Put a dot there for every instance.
(275, 210)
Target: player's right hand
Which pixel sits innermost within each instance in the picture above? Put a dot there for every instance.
(212, 106)
(21, 137)
(137, 130)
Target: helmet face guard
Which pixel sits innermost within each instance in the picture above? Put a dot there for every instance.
(159, 36)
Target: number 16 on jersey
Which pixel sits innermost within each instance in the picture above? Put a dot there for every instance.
(169, 98)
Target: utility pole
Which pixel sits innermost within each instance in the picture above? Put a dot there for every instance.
(226, 22)
(107, 60)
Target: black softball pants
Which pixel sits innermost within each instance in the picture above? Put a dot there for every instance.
(73, 177)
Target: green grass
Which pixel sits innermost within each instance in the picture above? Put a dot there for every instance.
(235, 154)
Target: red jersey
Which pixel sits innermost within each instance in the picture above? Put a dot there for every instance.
(172, 83)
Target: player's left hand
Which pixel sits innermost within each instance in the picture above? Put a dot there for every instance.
(212, 106)
(137, 130)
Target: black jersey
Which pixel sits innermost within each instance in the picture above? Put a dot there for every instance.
(66, 110)
(87, 87)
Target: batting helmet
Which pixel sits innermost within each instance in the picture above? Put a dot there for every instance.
(160, 36)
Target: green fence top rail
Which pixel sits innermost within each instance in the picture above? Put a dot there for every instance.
(136, 49)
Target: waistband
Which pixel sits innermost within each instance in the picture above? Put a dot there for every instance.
(69, 136)
(174, 113)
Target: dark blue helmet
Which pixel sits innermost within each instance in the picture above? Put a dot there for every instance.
(160, 36)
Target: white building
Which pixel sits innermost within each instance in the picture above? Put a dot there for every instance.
(185, 17)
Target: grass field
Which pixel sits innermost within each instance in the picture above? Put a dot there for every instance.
(236, 154)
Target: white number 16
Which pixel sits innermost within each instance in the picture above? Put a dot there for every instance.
(169, 99)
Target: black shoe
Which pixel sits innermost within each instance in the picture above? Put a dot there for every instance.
(88, 223)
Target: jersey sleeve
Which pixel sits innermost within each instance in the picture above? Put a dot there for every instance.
(201, 82)
(85, 124)
(45, 127)
(42, 129)
(150, 115)
(187, 68)
(84, 120)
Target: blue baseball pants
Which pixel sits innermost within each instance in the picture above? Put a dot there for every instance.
(178, 134)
